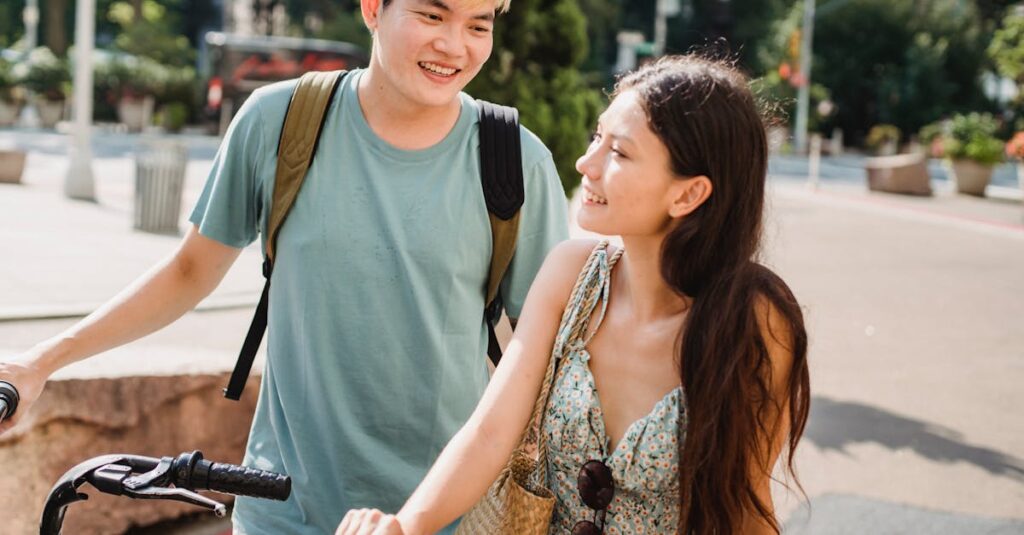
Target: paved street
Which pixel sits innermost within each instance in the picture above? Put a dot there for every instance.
(915, 309)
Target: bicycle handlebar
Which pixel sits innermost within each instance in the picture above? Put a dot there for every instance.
(8, 400)
(168, 478)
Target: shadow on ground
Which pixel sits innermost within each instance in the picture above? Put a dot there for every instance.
(854, 515)
(836, 425)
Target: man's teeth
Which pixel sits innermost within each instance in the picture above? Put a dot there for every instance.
(592, 197)
(437, 69)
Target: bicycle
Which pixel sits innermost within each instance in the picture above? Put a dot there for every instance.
(139, 477)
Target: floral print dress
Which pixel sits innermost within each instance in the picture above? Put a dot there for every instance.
(644, 464)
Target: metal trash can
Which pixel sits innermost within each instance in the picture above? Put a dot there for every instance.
(159, 181)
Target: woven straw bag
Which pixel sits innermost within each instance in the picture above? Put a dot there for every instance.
(518, 503)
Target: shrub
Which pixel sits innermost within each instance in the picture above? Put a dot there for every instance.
(882, 134)
(9, 88)
(44, 74)
(972, 137)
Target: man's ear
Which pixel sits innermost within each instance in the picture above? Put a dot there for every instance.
(688, 195)
(370, 10)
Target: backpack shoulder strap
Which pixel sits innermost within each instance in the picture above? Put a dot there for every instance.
(501, 176)
(303, 122)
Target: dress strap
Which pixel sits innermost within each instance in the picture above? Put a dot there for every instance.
(593, 288)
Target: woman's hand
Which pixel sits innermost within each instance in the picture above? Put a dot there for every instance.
(369, 522)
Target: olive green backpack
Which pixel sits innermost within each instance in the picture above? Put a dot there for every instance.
(501, 176)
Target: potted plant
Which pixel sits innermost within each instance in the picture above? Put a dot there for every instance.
(131, 84)
(973, 151)
(11, 97)
(882, 139)
(47, 78)
(1015, 151)
(932, 138)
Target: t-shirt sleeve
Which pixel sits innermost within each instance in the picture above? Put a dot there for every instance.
(230, 206)
(543, 223)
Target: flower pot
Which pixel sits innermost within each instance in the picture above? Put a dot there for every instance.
(971, 177)
(50, 111)
(135, 112)
(9, 112)
(12, 164)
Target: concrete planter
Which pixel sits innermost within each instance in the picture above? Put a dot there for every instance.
(9, 112)
(903, 173)
(135, 113)
(971, 177)
(50, 111)
(12, 165)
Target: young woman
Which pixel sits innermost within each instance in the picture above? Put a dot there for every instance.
(691, 375)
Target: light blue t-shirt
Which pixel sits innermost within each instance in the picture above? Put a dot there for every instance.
(376, 340)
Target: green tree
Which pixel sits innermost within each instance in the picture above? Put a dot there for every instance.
(743, 24)
(539, 46)
(11, 27)
(155, 34)
(901, 62)
(1007, 49)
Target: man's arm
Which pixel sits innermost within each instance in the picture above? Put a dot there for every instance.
(157, 298)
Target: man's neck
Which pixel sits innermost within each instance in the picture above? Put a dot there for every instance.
(399, 121)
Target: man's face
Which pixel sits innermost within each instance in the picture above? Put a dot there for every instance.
(428, 50)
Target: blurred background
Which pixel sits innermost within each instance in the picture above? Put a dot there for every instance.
(895, 213)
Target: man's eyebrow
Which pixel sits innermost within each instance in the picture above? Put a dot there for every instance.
(439, 4)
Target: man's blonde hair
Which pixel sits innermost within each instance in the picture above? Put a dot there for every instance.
(500, 6)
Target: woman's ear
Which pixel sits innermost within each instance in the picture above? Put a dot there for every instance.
(370, 9)
(688, 195)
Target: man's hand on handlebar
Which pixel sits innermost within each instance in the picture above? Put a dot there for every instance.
(29, 379)
(369, 522)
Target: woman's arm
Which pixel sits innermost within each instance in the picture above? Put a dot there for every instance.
(778, 339)
(476, 455)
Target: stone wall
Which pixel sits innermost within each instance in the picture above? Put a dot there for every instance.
(76, 419)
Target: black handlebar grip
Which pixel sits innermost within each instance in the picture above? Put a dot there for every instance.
(242, 481)
(8, 400)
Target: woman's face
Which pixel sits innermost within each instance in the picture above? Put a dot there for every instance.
(628, 186)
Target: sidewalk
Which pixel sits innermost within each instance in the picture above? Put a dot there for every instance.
(914, 306)
(54, 243)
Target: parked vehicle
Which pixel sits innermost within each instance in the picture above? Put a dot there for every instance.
(234, 66)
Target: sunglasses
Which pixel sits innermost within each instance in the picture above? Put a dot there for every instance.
(596, 488)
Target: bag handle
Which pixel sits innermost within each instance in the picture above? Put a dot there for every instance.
(590, 286)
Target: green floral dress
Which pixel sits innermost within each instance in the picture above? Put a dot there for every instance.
(644, 464)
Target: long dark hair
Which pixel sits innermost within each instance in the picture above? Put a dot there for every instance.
(704, 112)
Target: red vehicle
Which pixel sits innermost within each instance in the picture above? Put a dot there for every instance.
(235, 65)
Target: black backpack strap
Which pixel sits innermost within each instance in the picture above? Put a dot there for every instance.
(295, 151)
(501, 177)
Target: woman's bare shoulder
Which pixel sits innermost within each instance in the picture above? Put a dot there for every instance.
(562, 267)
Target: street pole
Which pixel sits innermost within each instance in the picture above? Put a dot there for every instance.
(30, 16)
(662, 10)
(803, 92)
(78, 184)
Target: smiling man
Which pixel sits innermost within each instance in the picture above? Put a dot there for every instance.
(377, 342)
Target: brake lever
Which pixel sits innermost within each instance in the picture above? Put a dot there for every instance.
(117, 479)
(176, 494)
